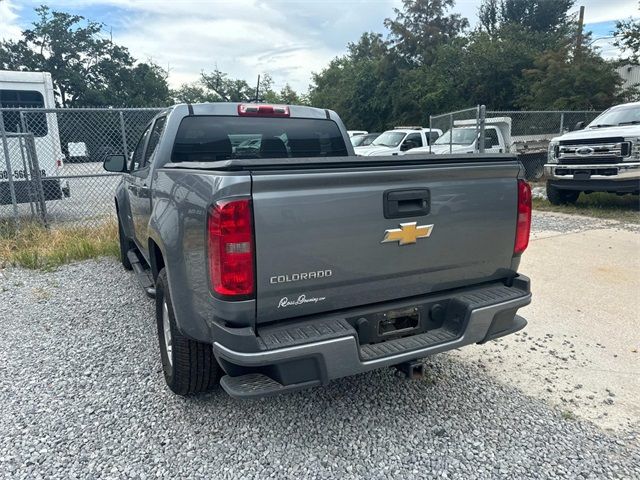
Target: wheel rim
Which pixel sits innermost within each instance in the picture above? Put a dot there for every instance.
(166, 329)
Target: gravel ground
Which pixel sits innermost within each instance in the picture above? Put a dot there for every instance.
(83, 396)
(548, 223)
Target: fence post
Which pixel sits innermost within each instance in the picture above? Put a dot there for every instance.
(478, 126)
(123, 132)
(482, 116)
(12, 188)
(430, 127)
(26, 164)
(561, 123)
(34, 165)
(451, 133)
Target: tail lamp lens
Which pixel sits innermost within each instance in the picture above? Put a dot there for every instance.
(523, 227)
(230, 243)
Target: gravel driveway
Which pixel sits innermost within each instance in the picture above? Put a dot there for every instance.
(82, 395)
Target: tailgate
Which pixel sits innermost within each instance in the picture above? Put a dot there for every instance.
(319, 233)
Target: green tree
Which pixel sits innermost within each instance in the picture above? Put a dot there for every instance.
(627, 37)
(488, 15)
(537, 15)
(86, 68)
(193, 93)
(559, 82)
(226, 88)
(429, 65)
(420, 26)
(358, 84)
(218, 86)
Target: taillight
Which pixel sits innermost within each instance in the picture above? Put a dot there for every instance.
(523, 226)
(230, 244)
(261, 110)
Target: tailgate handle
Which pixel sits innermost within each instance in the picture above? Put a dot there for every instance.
(407, 203)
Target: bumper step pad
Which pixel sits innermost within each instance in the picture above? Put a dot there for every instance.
(280, 337)
(254, 385)
(490, 296)
(401, 345)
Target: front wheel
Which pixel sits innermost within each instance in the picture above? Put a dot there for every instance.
(189, 366)
(558, 196)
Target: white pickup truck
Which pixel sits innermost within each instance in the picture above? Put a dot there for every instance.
(603, 157)
(464, 138)
(399, 140)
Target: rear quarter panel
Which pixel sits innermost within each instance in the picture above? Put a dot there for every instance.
(178, 223)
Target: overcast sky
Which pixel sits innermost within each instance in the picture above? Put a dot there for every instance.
(287, 38)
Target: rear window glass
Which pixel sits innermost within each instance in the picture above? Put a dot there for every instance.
(214, 138)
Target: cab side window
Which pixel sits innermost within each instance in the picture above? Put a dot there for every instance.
(415, 138)
(154, 138)
(492, 138)
(138, 154)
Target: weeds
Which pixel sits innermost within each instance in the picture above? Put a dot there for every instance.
(33, 246)
(599, 205)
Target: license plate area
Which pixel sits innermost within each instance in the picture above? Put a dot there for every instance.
(398, 322)
(404, 321)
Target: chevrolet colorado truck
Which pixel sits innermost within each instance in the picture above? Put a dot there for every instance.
(287, 265)
(603, 157)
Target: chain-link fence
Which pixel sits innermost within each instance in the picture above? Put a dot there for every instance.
(51, 162)
(525, 133)
(51, 159)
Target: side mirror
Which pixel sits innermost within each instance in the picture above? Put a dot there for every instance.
(579, 126)
(408, 145)
(115, 163)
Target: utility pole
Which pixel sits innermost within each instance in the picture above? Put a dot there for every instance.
(580, 28)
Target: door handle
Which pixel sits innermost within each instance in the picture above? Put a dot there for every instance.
(407, 203)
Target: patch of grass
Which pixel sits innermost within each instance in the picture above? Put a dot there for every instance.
(33, 246)
(600, 205)
(568, 415)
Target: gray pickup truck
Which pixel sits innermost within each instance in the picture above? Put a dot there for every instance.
(279, 260)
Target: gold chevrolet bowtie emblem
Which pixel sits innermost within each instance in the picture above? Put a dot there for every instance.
(407, 234)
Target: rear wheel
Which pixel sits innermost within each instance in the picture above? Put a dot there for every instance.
(189, 366)
(557, 196)
(125, 246)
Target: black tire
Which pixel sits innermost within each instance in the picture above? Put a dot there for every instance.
(125, 246)
(190, 367)
(557, 196)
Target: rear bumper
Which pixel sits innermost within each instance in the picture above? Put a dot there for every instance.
(315, 352)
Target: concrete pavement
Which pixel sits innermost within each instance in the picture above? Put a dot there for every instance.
(581, 348)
